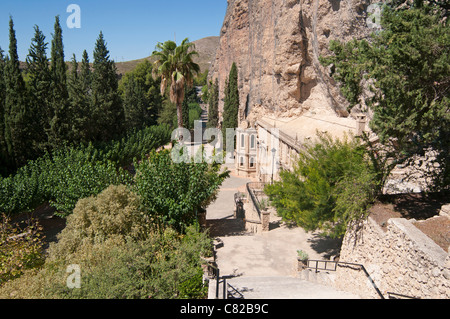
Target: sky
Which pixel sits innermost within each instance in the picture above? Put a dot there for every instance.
(131, 28)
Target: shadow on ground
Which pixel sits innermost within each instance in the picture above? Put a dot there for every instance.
(225, 227)
(326, 245)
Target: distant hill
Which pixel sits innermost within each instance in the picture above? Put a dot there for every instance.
(206, 48)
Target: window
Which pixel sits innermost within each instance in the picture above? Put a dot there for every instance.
(241, 161)
(252, 142)
(252, 162)
(242, 140)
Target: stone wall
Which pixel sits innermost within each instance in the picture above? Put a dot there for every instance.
(402, 260)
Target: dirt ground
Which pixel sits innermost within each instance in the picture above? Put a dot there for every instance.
(420, 207)
(51, 224)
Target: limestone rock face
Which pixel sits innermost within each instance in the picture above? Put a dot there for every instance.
(276, 45)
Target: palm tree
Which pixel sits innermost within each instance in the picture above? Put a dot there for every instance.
(176, 67)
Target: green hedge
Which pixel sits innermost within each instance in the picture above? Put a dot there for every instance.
(67, 175)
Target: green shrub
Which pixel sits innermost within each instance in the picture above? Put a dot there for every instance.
(332, 184)
(121, 254)
(160, 267)
(302, 255)
(194, 287)
(76, 176)
(114, 214)
(66, 175)
(136, 145)
(195, 112)
(175, 192)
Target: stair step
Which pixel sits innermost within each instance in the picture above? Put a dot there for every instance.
(278, 288)
(322, 277)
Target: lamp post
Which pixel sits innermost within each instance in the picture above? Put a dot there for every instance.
(273, 162)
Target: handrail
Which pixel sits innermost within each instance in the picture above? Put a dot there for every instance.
(254, 200)
(250, 189)
(216, 274)
(393, 295)
(346, 264)
(285, 138)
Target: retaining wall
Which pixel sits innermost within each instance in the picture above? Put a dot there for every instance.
(402, 260)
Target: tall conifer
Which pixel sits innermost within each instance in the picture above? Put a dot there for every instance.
(231, 102)
(39, 89)
(59, 126)
(107, 105)
(213, 110)
(3, 149)
(17, 118)
(80, 107)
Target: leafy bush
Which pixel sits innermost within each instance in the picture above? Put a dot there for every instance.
(332, 183)
(20, 249)
(120, 253)
(76, 174)
(302, 255)
(136, 145)
(113, 214)
(163, 266)
(195, 112)
(66, 175)
(174, 192)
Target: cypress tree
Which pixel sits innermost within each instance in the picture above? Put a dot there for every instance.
(141, 96)
(3, 149)
(231, 103)
(107, 105)
(79, 87)
(59, 126)
(39, 89)
(85, 73)
(213, 110)
(75, 94)
(135, 104)
(17, 118)
(85, 110)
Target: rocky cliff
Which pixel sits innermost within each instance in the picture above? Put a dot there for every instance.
(276, 45)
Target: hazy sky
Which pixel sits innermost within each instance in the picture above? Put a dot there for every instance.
(131, 28)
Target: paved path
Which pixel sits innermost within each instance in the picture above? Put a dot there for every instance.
(265, 265)
(223, 207)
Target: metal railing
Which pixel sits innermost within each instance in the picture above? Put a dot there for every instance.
(215, 271)
(285, 138)
(340, 263)
(252, 188)
(393, 295)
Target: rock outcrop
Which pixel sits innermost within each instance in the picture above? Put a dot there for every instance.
(276, 45)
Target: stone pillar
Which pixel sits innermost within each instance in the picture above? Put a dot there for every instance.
(202, 217)
(265, 221)
(360, 124)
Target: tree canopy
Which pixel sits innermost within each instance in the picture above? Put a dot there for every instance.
(402, 73)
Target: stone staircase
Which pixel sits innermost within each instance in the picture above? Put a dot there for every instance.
(276, 288)
(321, 277)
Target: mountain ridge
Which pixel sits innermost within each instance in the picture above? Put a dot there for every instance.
(206, 47)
